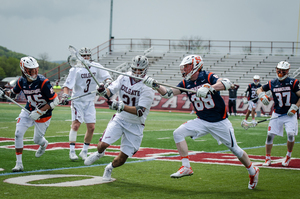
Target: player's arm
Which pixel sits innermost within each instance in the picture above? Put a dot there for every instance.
(165, 92)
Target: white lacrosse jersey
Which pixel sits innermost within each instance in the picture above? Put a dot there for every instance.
(132, 94)
(81, 82)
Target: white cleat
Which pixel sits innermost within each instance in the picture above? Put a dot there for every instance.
(19, 167)
(92, 158)
(286, 161)
(41, 150)
(73, 156)
(183, 171)
(253, 179)
(267, 162)
(107, 174)
(83, 154)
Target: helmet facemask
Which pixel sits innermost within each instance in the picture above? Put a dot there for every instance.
(29, 67)
(139, 66)
(282, 70)
(256, 79)
(86, 53)
(190, 65)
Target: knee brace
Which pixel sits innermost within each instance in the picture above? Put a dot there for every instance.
(291, 137)
(237, 151)
(72, 135)
(270, 138)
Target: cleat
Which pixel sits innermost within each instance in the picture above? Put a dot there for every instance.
(253, 179)
(19, 167)
(92, 158)
(41, 150)
(83, 154)
(183, 171)
(286, 161)
(73, 156)
(267, 162)
(107, 174)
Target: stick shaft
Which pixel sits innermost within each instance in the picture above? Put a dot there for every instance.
(82, 95)
(16, 103)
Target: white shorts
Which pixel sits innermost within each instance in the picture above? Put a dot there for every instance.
(290, 124)
(251, 106)
(222, 131)
(23, 123)
(132, 135)
(83, 111)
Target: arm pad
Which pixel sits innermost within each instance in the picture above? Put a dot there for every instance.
(168, 94)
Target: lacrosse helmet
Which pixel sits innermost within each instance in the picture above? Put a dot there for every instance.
(282, 70)
(139, 62)
(190, 65)
(85, 52)
(29, 67)
(256, 79)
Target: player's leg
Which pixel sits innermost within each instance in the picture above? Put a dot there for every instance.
(291, 127)
(234, 107)
(22, 125)
(72, 139)
(111, 134)
(269, 145)
(39, 137)
(223, 131)
(90, 120)
(192, 128)
(229, 106)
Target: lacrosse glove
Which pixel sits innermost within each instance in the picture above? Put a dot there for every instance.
(293, 109)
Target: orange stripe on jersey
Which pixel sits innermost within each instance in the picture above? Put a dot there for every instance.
(295, 83)
(208, 78)
(224, 116)
(42, 120)
(44, 83)
(53, 97)
(19, 84)
(270, 84)
(183, 83)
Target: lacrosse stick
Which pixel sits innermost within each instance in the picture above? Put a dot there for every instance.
(247, 125)
(75, 53)
(91, 92)
(16, 103)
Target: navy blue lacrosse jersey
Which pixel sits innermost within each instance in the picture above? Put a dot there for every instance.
(283, 92)
(251, 89)
(212, 108)
(38, 93)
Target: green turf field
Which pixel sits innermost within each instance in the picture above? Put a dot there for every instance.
(142, 178)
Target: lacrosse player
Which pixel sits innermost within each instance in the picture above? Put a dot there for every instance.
(286, 92)
(41, 99)
(252, 99)
(135, 100)
(83, 109)
(211, 114)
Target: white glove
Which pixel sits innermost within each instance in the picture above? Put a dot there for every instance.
(203, 91)
(116, 105)
(36, 114)
(64, 99)
(293, 109)
(150, 82)
(264, 98)
(245, 100)
(107, 83)
(101, 90)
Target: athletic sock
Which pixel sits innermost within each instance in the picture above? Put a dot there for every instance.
(185, 161)
(251, 169)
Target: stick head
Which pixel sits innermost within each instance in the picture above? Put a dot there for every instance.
(247, 125)
(76, 59)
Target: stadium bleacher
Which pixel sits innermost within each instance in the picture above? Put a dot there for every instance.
(239, 68)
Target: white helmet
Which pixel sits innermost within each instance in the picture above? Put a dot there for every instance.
(282, 70)
(139, 62)
(256, 79)
(197, 65)
(29, 67)
(85, 51)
